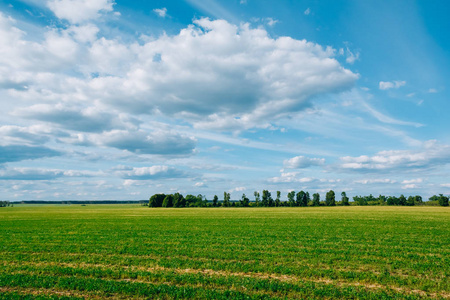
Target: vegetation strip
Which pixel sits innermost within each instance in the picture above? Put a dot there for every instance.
(208, 272)
(257, 253)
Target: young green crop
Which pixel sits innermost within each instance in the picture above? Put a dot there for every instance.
(129, 251)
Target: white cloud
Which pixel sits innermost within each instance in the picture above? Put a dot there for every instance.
(78, 11)
(244, 79)
(307, 11)
(432, 91)
(152, 173)
(385, 85)
(300, 162)
(374, 181)
(417, 180)
(430, 155)
(162, 12)
(291, 177)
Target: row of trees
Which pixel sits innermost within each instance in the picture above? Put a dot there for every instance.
(5, 203)
(299, 199)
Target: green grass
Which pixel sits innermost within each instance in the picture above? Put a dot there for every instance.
(129, 251)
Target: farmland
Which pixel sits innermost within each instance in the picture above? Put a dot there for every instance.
(130, 251)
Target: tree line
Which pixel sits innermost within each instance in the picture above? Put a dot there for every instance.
(293, 199)
(5, 203)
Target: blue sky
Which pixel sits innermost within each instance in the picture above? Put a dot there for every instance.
(107, 99)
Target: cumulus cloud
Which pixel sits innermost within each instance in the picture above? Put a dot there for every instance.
(78, 11)
(162, 12)
(290, 177)
(430, 155)
(385, 85)
(152, 173)
(374, 181)
(300, 162)
(226, 78)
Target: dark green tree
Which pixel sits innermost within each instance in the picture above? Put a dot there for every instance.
(156, 200)
(277, 200)
(410, 201)
(316, 199)
(179, 200)
(418, 200)
(215, 201)
(265, 199)
(402, 200)
(245, 202)
(226, 199)
(257, 201)
(291, 200)
(443, 200)
(344, 199)
(330, 198)
(168, 201)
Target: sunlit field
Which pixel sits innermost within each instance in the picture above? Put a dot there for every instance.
(130, 251)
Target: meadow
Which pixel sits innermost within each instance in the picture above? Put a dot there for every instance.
(135, 252)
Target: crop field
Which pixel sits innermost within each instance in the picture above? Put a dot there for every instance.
(134, 252)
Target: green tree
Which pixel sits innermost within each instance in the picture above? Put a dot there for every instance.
(256, 194)
(156, 200)
(418, 200)
(402, 200)
(344, 199)
(277, 200)
(291, 196)
(245, 202)
(330, 199)
(179, 200)
(168, 201)
(308, 198)
(316, 199)
(215, 200)
(301, 199)
(410, 201)
(226, 199)
(443, 200)
(266, 198)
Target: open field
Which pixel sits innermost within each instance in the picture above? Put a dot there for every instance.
(129, 251)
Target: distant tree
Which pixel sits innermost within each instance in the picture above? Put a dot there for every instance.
(168, 201)
(330, 199)
(256, 194)
(277, 200)
(344, 199)
(308, 198)
(291, 200)
(418, 200)
(316, 199)
(215, 201)
(179, 200)
(265, 199)
(402, 200)
(392, 200)
(226, 199)
(301, 199)
(410, 201)
(245, 202)
(443, 200)
(156, 200)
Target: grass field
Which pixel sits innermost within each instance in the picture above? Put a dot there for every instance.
(129, 251)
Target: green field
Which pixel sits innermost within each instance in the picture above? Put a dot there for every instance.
(129, 251)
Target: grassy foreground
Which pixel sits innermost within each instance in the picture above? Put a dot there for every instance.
(129, 251)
